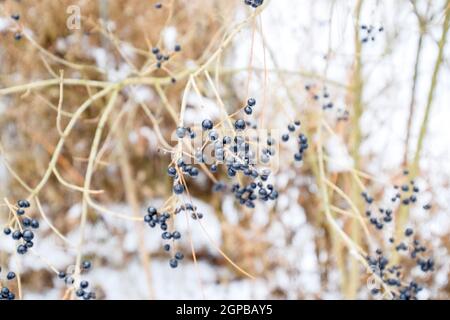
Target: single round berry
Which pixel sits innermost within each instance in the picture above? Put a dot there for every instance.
(26, 222)
(79, 293)
(69, 280)
(248, 110)
(179, 256)
(176, 235)
(181, 132)
(34, 224)
(28, 235)
(22, 249)
(23, 203)
(251, 102)
(17, 235)
(84, 284)
(86, 265)
(178, 188)
(173, 263)
(291, 128)
(177, 48)
(213, 135)
(207, 124)
(239, 124)
(11, 275)
(7, 231)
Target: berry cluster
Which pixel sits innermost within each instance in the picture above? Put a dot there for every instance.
(238, 156)
(24, 225)
(392, 275)
(302, 140)
(5, 292)
(191, 208)
(152, 218)
(325, 100)
(254, 3)
(406, 194)
(249, 107)
(81, 289)
(161, 58)
(369, 33)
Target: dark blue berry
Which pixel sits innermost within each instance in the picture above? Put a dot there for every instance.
(22, 249)
(23, 203)
(179, 256)
(176, 235)
(17, 235)
(28, 235)
(86, 265)
(178, 188)
(11, 275)
(239, 124)
(173, 263)
(34, 224)
(207, 124)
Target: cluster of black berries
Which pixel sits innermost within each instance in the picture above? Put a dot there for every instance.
(24, 232)
(406, 194)
(249, 107)
(327, 104)
(6, 293)
(189, 208)
(17, 35)
(392, 275)
(302, 140)
(324, 97)
(237, 154)
(178, 187)
(254, 3)
(81, 291)
(369, 33)
(416, 250)
(161, 58)
(252, 191)
(152, 218)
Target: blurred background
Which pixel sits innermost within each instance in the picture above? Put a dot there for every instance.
(368, 79)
